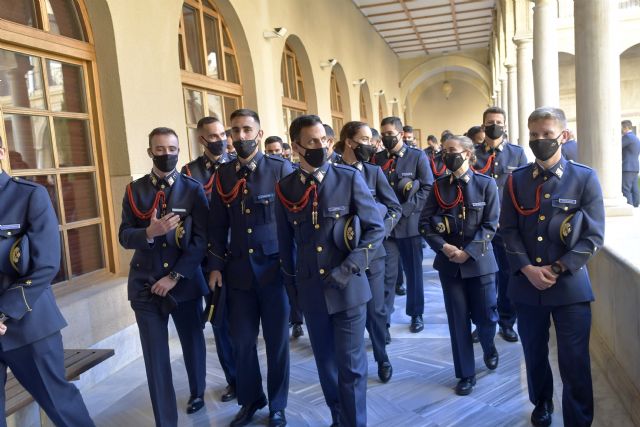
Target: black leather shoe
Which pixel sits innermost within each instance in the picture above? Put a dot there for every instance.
(229, 393)
(385, 371)
(474, 336)
(401, 290)
(246, 413)
(508, 334)
(416, 324)
(491, 359)
(541, 415)
(277, 418)
(194, 404)
(297, 331)
(465, 386)
(387, 337)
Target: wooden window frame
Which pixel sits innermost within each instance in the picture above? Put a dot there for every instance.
(335, 99)
(363, 107)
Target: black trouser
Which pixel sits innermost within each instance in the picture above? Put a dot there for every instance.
(630, 188)
(506, 309)
(376, 312)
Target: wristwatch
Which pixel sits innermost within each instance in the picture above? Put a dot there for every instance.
(173, 275)
(557, 268)
(3, 317)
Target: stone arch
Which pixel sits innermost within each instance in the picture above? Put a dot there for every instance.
(294, 42)
(343, 86)
(366, 94)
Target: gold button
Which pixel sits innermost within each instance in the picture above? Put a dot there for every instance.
(542, 217)
(540, 239)
(495, 175)
(317, 226)
(28, 282)
(164, 245)
(538, 259)
(393, 215)
(247, 211)
(370, 246)
(566, 208)
(337, 215)
(162, 186)
(266, 202)
(319, 249)
(295, 222)
(137, 265)
(165, 265)
(321, 271)
(461, 233)
(208, 245)
(545, 178)
(246, 191)
(495, 163)
(250, 251)
(459, 215)
(249, 231)
(8, 233)
(546, 196)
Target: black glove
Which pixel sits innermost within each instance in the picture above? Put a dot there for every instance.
(167, 303)
(340, 275)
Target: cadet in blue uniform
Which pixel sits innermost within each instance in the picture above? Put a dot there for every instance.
(552, 221)
(356, 148)
(569, 148)
(165, 277)
(30, 321)
(398, 162)
(497, 158)
(434, 154)
(630, 164)
(213, 138)
(332, 286)
(332, 156)
(458, 222)
(243, 204)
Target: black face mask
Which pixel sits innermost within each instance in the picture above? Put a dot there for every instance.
(544, 149)
(389, 141)
(316, 157)
(166, 162)
(494, 131)
(453, 161)
(363, 152)
(244, 148)
(277, 155)
(215, 147)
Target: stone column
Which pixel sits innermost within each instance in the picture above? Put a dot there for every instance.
(525, 87)
(512, 104)
(598, 97)
(545, 53)
(504, 103)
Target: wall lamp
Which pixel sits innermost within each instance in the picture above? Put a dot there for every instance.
(276, 33)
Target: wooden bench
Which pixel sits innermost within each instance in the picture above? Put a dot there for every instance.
(76, 362)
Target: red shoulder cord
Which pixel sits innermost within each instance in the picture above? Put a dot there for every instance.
(459, 198)
(514, 200)
(487, 165)
(388, 165)
(302, 203)
(435, 170)
(145, 215)
(208, 186)
(229, 197)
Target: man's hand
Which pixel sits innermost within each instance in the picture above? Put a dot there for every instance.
(163, 286)
(540, 277)
(459, 257)
(215, 279)
(160, 227)
(449, 250)
(3, 329)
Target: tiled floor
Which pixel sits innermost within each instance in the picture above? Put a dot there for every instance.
(420, 393)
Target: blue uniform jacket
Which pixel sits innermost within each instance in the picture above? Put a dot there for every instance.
(409, 163)
(436, 163)
(471, 224)
(202, 170)
(152, 261)
(570, 150)
(508, 157)
(630, 152)
(383, 194)
(29, 301)
(307, 249)
(250, 217)
(564, 189)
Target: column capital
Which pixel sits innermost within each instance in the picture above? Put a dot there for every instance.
(523, 39)
(510, 67)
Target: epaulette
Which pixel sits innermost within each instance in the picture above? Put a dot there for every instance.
(23, 181)
(522, 168)
(276, 158)
(579, 165)
(188, 178)
(344, 167)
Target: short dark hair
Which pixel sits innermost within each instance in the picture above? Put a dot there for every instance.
(375, 134)
(445, 136)
(245, 112)
(207, 121)
(329, 131)
(493, 110)
(432, 138)
(228, 132)
(393, 120)
(272, 139)
(348, 132)
(473, 131)
(407, 128)
(161, 131)
(286, 146)
(625, 124)
(301, 122)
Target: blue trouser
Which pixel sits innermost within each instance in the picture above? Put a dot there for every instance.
(506, 309)
(630, 188)
(296, 315)
(337, 341)
(154, 337)
(473, 298)
(376, 314)
(247, 308)
(39, 367)
(391, 266)
(224, 348)
(573, 325)
(410, 250)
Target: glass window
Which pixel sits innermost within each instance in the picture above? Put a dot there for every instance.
(193, 105)
(86, 245)
(64, 19)
(21, 81)
(66, 87)
(19, 11)
(211, 32)
(363, 107)
(73, 141)
(29, 141)
(192, 40)
(79, 196)
(214, 106)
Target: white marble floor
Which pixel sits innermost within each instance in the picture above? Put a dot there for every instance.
(420, 393)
